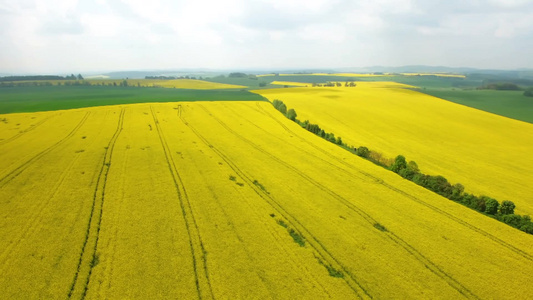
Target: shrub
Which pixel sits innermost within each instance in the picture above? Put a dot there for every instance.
(457, 192)
(491, 205)
(399, 164)
(507, 208)
(513, 220)
(362, 152)
(291, 114)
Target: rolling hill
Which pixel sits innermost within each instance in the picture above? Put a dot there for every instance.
(231, 200)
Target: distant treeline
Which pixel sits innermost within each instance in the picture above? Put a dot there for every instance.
(491, 207)
(333, 84)
(508, 84)
(171, 77)
(503, 86)
(114, 83)
(41, 77)
(238, 75)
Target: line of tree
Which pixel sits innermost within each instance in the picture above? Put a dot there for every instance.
(501, 86)
(237, 75)
(41, 77)
(334, 84)
(123, 83)
(528, 92)
(171, 77)
(503, 211)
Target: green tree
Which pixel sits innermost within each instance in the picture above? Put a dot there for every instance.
(399, 164)
(514, 220)
(410, 171)
(80, 77)
(279, 105)
(457, 192)
(491, 205)
(507, 208)
(291, 114)
(362, 151)
(413, 166)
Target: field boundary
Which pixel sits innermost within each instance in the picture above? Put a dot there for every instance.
(432, 207)
(454, 283)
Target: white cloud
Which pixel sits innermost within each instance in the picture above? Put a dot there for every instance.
(126, 34)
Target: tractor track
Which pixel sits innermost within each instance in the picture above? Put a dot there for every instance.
(393, 237)
(21, 133)
(34, 218)
(318, 247)
(198, 252)
(16, 172)
(95, 218)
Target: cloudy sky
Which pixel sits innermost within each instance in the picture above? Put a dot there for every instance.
(96, 35)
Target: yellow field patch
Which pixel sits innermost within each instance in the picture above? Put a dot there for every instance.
(364, 84)
(229, 200)
(289, 83)
(488, 154)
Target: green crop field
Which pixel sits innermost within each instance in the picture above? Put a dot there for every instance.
(511, 104)
(44, 98)
(246, 81)
(428, 81)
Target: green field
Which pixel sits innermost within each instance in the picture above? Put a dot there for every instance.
(419, 81)
(511, 104)
(428, 81)
(44, 98)
(246, 81)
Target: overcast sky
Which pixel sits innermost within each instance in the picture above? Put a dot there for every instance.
(96, 35)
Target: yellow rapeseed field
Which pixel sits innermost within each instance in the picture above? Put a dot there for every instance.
(290, 83)
(229, 200)
(488, 154)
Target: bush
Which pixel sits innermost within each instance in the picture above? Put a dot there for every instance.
(279, 105)
(513, 220)
(291, 114)
(362, 152)
(507, 208)
(399, 164)
(491, 205)
(457, 192)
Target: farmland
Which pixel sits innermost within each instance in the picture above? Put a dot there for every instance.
(511, 104)
(43, 98)
(486, 153)
(218, 200)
